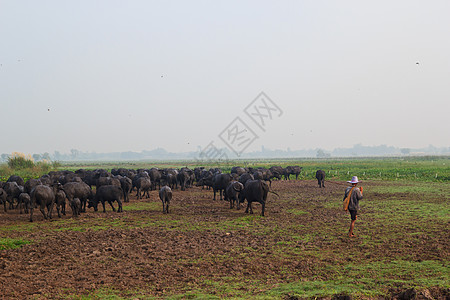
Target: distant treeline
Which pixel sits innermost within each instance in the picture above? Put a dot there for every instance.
(357, 150)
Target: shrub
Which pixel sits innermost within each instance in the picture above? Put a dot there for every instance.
(19, 161)
(25, 166)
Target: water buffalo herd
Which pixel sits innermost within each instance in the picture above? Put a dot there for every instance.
(57, 187)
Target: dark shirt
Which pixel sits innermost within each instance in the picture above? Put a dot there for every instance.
(354, 198)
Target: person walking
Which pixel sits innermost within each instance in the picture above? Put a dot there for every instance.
(351, 202)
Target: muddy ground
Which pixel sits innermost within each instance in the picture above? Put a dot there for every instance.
(202, 245)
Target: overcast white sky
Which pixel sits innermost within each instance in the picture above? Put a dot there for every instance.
(110, 76)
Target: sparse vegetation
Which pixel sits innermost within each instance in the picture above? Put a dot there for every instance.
(25, 166)
(9, 243)
(300, 249)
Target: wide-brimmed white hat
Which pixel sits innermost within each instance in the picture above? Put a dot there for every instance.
(354, 180)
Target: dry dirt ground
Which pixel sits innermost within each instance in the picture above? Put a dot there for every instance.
(202, 245)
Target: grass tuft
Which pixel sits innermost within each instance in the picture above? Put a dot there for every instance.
(8, 243)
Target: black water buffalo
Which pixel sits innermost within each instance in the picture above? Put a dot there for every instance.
(3, 197)
(13, 191)
(126, 185)
(206, 179)
(30, 184)
(254, 191)
(171, 181)
(184, 177)
(96, 175)
(75, 205)
(24, 202)
(232, 193)
(191, 178)
(88, 177)
(108, 193)
(220, 183)
(263, 174)
(17, 179)
(78, 190)
(198, 173)
(320, 175)
(277, 171)
(238, 170)
(292, 170)
(246, 177)
(107, 181)
(140, 174)
(215, 171)
(258, 175)
(46, 179)
(170, 177)
(42, 196)
(155, 177)
(165, 194)
(60, 201)
(143, 186)
(69, 177)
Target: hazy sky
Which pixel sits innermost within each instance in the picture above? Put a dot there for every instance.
(110, 76)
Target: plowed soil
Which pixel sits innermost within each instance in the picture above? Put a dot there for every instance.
(202, 245)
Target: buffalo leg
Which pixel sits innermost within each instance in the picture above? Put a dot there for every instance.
(248, 206)
(110, 203)
(58, 210)
(50, 210)
(83, 205)
(42, 209)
